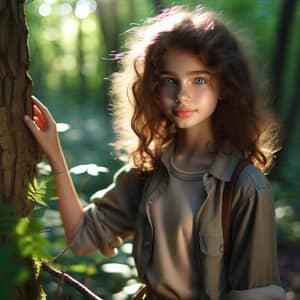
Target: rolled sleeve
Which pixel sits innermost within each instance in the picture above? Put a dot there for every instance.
(111, 217)
(253, 260)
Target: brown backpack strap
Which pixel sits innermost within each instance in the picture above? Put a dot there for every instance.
(227, 203)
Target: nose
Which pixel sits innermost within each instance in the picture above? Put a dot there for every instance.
(183, 94)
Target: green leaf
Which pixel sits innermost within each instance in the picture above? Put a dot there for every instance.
(38, 213)
(42, 190)
(22, 226)
(81, 268)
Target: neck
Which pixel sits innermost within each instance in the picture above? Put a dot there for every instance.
(194, 142)
(194, 149)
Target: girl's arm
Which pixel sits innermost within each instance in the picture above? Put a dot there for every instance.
(43, 127)
(253, 268)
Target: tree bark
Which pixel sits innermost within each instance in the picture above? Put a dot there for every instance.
(281, 45)
(19, 153)
(82, 88)
(110, 29)
(277, 73)
(290, 121)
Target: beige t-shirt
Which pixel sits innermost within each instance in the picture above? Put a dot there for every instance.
(172, 272)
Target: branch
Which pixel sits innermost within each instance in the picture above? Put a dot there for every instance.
(87, 293)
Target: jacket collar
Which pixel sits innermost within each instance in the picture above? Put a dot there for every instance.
(222, 167)
(225, 162)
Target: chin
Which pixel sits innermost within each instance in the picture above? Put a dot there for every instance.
(184, 125)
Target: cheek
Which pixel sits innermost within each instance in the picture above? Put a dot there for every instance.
(169, 91)
(211, 105)
(165, 104)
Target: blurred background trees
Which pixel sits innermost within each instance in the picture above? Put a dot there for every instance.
(74, 46)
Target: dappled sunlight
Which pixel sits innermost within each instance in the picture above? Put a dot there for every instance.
(117, 268)
(45, 10)
(65, 9)
(50, 34)
(283, 211)
(62, 127)
(91, 169)
(50, 1)
(44, 168)
(66, 62)
(75, 135)
(69, 29)
(84, 8)
(126, 248)
(91, 124)
(89, 26)
(130, 289)
(71, 48)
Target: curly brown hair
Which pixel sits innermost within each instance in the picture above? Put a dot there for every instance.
(242, 118)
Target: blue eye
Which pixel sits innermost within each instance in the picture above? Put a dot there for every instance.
(199, 80)
(168, 81)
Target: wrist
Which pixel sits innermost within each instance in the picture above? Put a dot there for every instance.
(57, 161)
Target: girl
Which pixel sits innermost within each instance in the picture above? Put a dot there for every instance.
(187, 92)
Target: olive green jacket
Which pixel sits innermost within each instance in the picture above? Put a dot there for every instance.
(122, 210)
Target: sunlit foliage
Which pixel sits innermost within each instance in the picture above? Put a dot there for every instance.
(71, 61)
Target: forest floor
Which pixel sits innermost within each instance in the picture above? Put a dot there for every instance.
(289, 265)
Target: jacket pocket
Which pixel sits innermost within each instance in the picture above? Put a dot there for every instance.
(211, 244)
(211, 265)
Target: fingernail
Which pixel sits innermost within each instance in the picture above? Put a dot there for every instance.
(26, 118)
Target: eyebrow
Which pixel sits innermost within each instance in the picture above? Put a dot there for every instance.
(191, 73)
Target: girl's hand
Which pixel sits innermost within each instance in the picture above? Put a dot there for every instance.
(43, 127)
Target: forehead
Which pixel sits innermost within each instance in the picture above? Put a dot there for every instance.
(181, 61)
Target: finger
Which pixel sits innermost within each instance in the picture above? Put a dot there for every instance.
(42, 125)
(38, 113)
(39, 104)
(31, 125)
(47, 115)
(36, 101)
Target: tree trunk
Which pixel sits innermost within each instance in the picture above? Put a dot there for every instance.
(281, 45)
(290, 121)
(277, 73)
(19, 153)
(82, 88)
(110, 29)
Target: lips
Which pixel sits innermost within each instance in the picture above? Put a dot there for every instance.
(183, 112)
